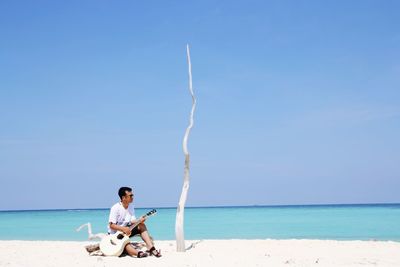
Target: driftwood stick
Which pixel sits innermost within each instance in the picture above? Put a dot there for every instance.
(180, 239)
(91, 235)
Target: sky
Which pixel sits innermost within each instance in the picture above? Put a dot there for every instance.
(298, 102)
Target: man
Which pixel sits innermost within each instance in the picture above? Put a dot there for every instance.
(122, 216)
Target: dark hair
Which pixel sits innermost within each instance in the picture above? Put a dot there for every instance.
(122, 190)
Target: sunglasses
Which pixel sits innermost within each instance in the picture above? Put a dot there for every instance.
(130, 195)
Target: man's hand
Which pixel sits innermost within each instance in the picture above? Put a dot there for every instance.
(142, 219)
(126, 231)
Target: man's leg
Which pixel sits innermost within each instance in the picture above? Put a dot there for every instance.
(147, 239)
(145, 235)
(133, 252)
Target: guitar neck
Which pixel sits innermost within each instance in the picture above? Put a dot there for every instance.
(144, 217)
(136, 224)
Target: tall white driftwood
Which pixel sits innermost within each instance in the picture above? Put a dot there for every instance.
(180, 239)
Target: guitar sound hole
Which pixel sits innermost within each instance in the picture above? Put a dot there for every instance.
(120, 236)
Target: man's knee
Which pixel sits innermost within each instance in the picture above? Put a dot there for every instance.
(142, 227)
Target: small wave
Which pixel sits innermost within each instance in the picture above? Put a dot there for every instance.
(77, 210)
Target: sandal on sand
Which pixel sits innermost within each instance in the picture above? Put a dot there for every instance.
(142, 254)
(154, 252)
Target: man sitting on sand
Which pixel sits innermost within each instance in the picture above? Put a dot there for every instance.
(122, 216)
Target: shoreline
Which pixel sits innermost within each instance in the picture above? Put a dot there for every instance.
(223, 206)
(211, 252)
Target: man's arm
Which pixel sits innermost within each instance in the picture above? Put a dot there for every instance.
(133, 217)
(112, 221)
(123, 229)
(140, 220)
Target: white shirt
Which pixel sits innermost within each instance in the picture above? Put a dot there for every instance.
(121, 216)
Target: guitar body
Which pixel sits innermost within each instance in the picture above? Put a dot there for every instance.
(114, 245)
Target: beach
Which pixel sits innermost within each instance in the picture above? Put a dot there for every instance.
(236, 252)
(263, 133)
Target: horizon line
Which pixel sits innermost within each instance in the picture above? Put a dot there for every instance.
(219, 206)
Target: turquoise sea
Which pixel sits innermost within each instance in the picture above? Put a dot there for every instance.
(340, 222)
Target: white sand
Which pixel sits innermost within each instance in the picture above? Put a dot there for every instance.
(224, 253)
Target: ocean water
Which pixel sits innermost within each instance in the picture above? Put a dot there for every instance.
(339, 222)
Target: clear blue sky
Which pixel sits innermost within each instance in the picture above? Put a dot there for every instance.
(298, 102)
